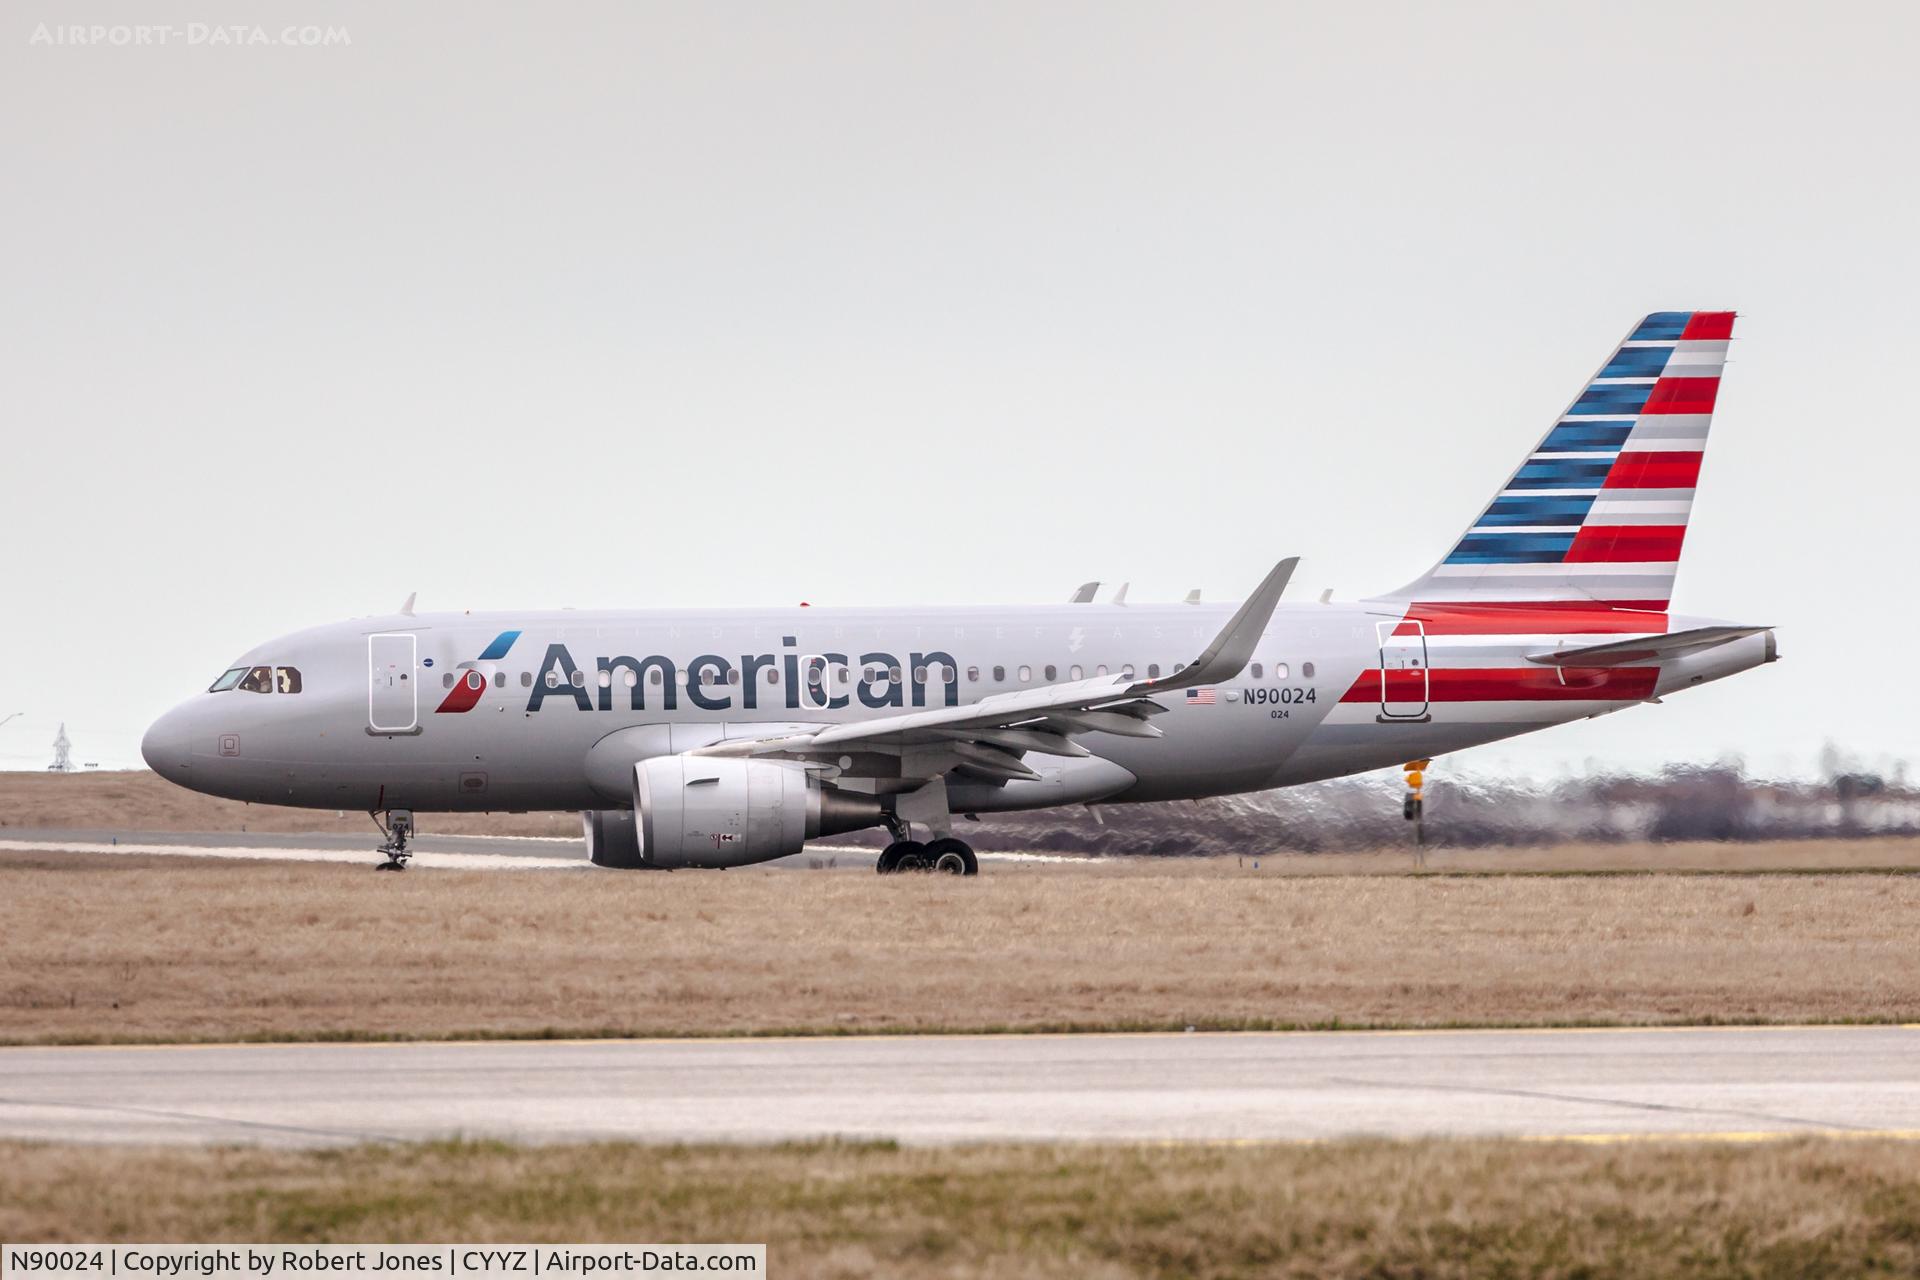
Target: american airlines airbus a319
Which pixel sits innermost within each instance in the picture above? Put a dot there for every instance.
(695, 738)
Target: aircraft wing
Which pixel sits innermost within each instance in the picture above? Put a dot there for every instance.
(988, 737)
(1645, 649)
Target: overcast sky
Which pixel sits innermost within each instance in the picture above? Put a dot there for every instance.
(625, 305)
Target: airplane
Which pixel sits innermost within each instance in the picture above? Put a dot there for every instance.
(722, 738)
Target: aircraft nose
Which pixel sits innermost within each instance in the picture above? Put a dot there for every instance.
(166, 746)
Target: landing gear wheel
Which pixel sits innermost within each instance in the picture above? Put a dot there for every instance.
(903, 855)
(954, 857)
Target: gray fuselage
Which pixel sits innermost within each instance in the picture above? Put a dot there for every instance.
(446, 712)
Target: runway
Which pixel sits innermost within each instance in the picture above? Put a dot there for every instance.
(1598, 1084)
(431, 852)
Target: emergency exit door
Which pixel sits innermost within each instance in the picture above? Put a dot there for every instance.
(393, 704)
(1404, 679)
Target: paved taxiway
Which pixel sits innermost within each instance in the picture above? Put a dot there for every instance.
(445, 852)
(935, 1089)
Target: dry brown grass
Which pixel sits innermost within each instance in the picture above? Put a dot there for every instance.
(117, 948)
(1430, 1209)
(142, 801)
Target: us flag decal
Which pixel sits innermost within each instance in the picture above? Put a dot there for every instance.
(1200, 697)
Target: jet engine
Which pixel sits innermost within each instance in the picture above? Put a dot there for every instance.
(704, 811)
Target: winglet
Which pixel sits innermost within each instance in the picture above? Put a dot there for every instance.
(1083, 593)
(406, 610)
(1120, 596)
(1193, 596)
(1227, 656)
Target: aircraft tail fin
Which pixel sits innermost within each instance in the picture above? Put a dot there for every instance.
(1598, 510)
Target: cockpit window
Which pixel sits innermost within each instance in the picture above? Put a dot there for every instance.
(258, 680)
(287, 679)
(227, 680)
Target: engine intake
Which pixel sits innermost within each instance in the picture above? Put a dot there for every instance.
(699, 811)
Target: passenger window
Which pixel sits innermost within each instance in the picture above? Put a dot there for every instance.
(499, 679)
(1127, 671)
(653, 676)
(999, 675)
(1051, 673)
(1254, 670)
(841, 676)
(946, 674)
(919, 675)
(288, 678)
(258, 680)
(893, 674)
(1153, 671)
(1100, 670)
(606, 679)
(1074, 672)
(446, 681)
(1279, 671)
(1306, 671)
(973, 674)
(553, 679)
(733, 676)
(1026, 674)
(773, 675)
(526, 679)
(227, 680)
(579, 679)
(628, 678)
(476, 680)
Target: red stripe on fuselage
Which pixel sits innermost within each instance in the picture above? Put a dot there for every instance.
(1626, 542)
(1501, 684)
(1542, 618)
(1656, 470)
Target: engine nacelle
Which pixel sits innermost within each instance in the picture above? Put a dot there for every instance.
(705, 811)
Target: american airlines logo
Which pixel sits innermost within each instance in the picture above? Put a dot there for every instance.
(711, 681)
(472, 682)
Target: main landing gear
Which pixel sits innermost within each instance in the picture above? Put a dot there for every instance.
(398, 828)
(947, 855)
(954, 857)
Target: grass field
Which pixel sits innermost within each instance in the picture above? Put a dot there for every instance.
(105, 948)
(138, 800)
(1426, 1209)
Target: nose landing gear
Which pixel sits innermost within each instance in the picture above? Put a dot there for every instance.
(397, 829)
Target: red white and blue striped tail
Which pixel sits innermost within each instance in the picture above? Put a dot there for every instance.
(1599, 509)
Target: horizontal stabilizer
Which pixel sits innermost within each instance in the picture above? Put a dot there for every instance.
(1645, 649)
